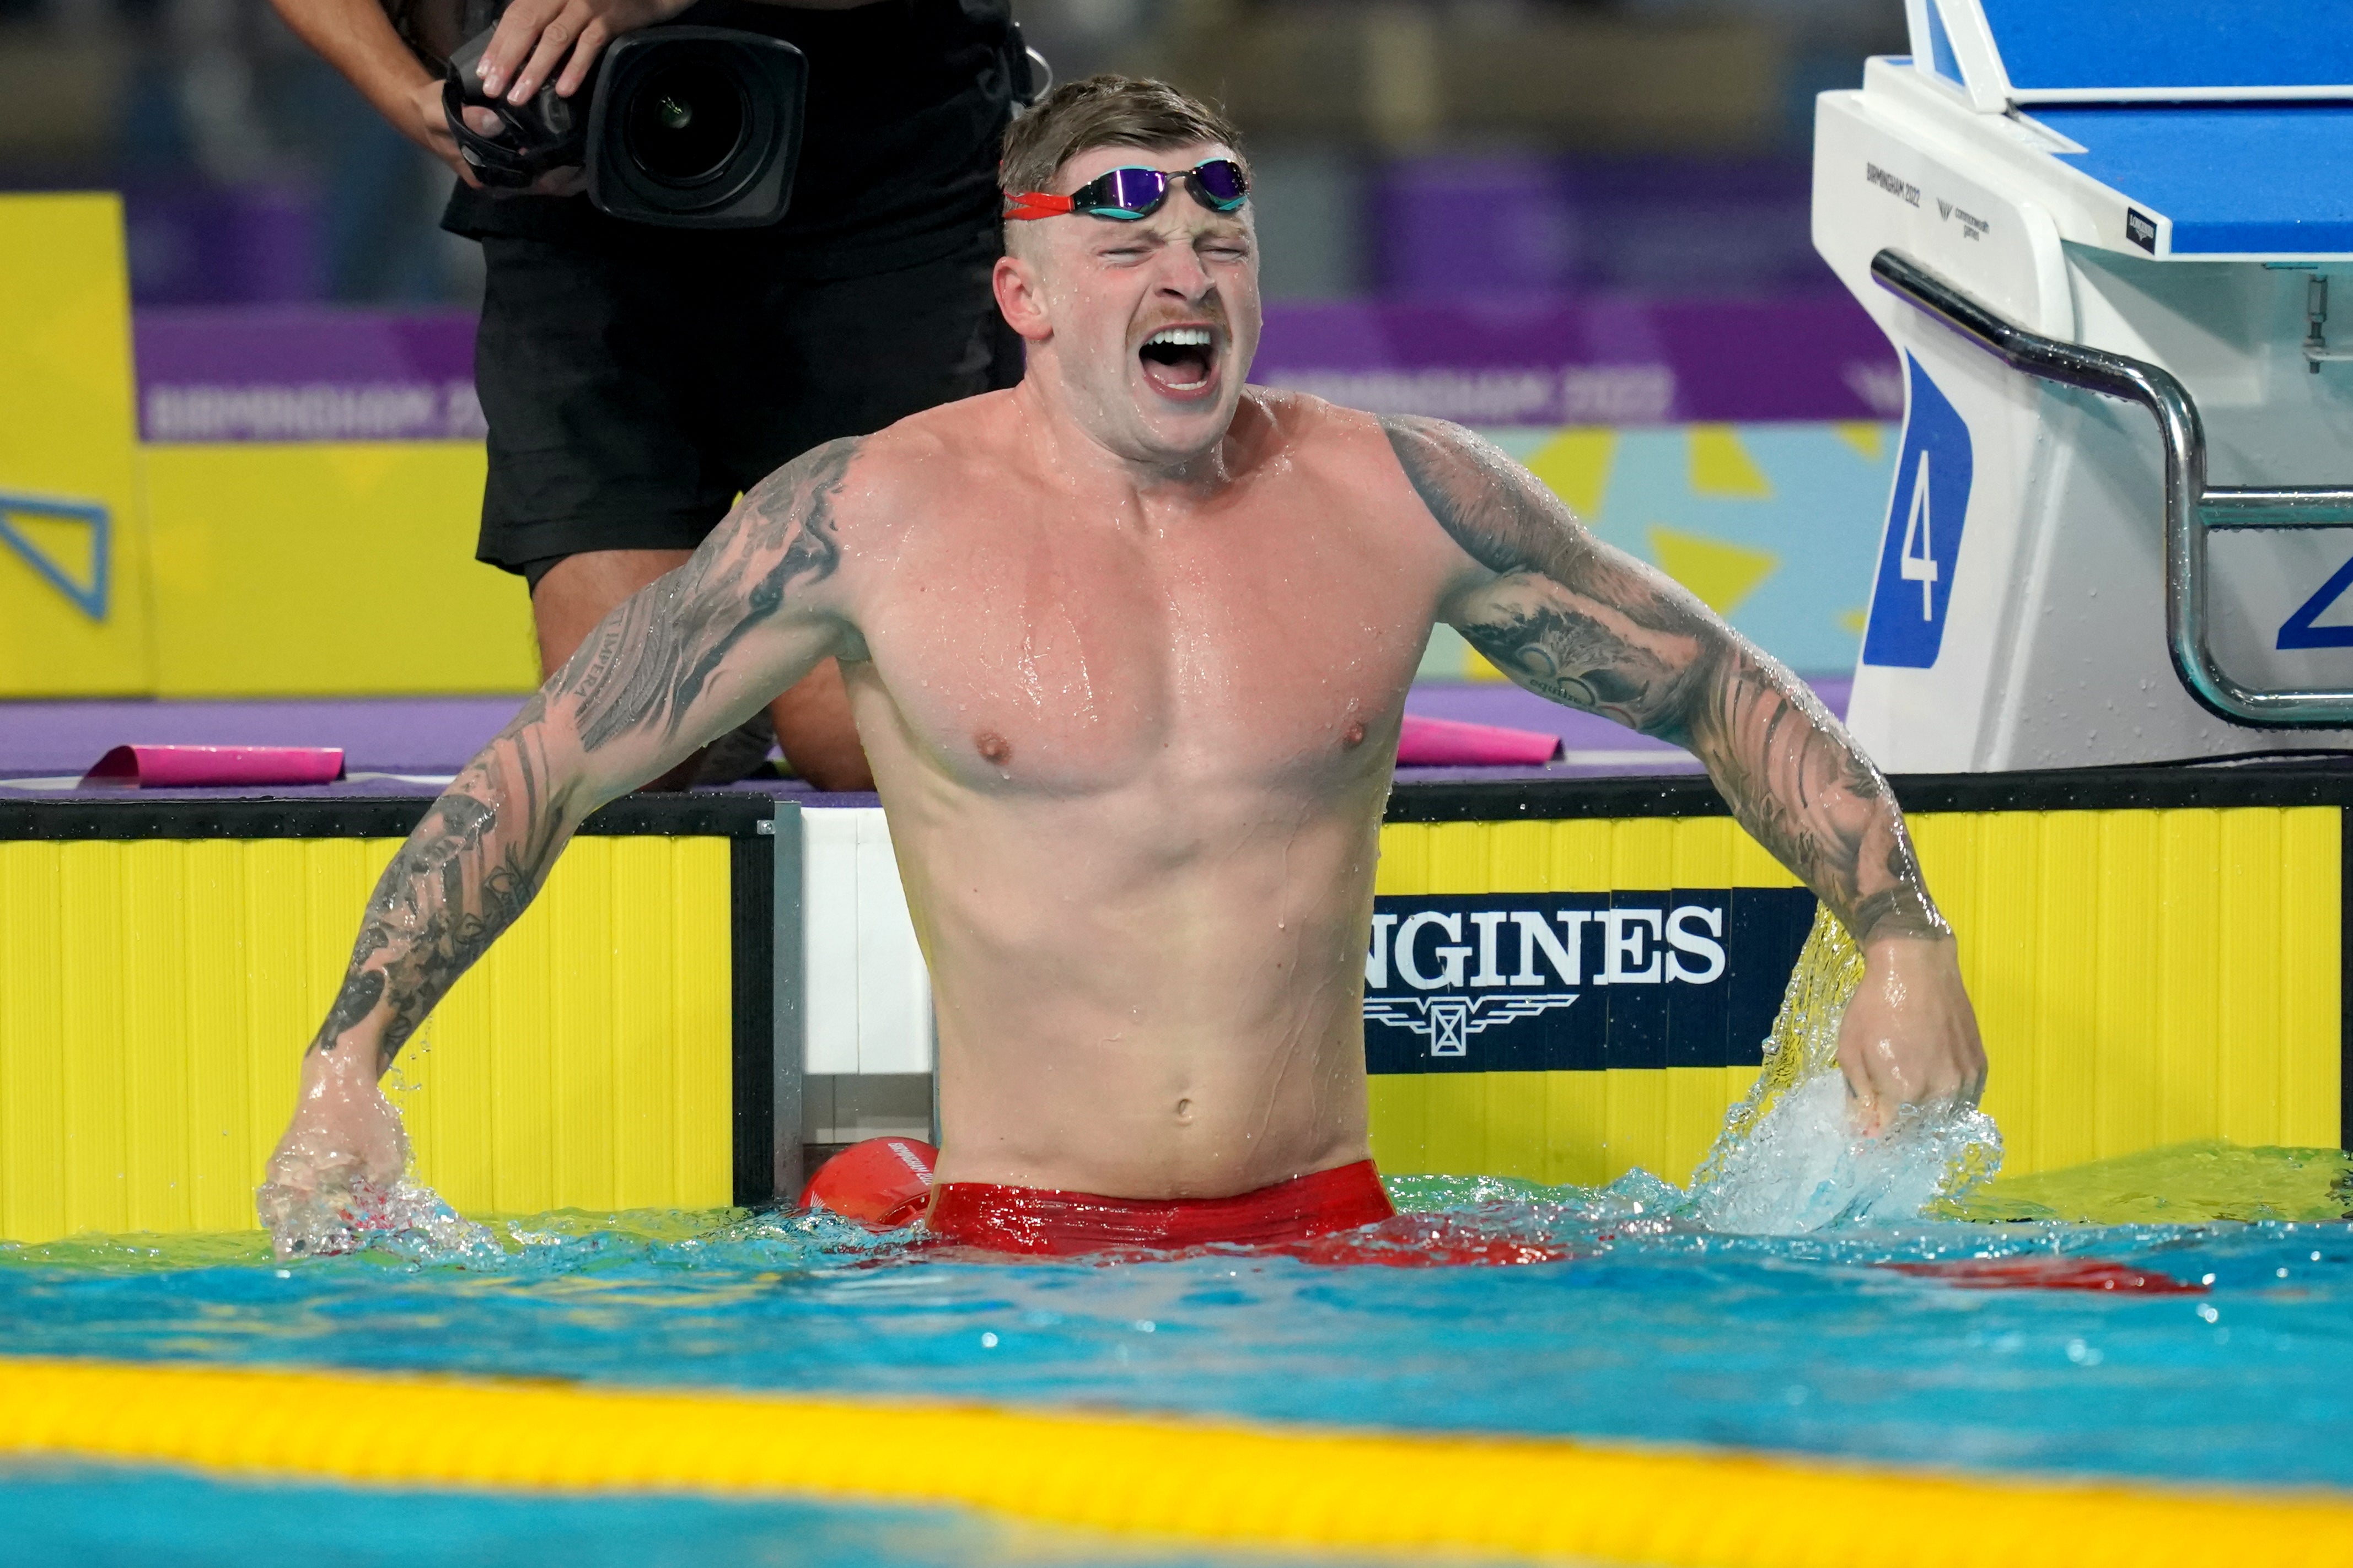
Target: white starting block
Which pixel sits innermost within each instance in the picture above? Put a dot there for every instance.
(867, 1004)
(2054, 205)
(855, 1042)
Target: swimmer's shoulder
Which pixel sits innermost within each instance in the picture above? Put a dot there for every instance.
(965, 424)
(1353, 456)
(902, 471)
(1304, 422)
(951, 435)
(1310, 429)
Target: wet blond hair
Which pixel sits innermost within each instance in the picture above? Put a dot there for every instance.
(1105, 110)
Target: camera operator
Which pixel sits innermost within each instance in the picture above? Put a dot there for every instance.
(635, 378)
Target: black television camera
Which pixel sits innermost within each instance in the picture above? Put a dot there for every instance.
(688, 127)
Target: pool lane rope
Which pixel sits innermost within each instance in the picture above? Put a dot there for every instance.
(1206, 1481)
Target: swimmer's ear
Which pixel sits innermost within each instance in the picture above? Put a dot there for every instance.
(1021, 298)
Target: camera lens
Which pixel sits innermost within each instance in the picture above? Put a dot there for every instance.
(696, 128)
(685, 121)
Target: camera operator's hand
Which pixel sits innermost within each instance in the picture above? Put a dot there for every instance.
(428, 123)
(357, 36)
(432, 127)
(536, 37)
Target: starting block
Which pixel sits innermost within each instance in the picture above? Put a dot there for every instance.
(2056, 211)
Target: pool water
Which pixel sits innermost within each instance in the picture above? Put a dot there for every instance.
(1811, 1293)
(133, 1518)
(1653, 1328)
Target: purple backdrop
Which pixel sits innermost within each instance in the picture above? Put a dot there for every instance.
(320, 373)
(189, 241)
(1452, 225)
(1547, 360)
(306, 373)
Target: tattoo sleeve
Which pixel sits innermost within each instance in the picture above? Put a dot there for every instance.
(674, 666)
(1587, 625)
(649, 663)
(461, 879)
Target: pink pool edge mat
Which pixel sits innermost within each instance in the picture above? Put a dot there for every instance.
(189, 767)
(1422, 742)
(1451, 743)
(404, 739)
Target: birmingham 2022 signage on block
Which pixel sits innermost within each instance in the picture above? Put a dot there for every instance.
(1578, 981)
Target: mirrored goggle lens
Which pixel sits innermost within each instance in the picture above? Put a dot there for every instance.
(1130, 192)
(1220, 179)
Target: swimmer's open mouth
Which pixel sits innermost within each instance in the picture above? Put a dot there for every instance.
(1180, 361)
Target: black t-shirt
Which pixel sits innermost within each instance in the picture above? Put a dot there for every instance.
(907, 99)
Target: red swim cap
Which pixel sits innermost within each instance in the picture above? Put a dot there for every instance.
(882, 1183)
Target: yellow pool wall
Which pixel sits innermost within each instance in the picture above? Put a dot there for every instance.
(155, 997)
(2141, 978)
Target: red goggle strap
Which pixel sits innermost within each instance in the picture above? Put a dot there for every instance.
(1035, 204)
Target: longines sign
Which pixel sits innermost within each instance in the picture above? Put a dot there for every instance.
(1555, 982)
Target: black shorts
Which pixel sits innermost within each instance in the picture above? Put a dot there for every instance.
(632, 395)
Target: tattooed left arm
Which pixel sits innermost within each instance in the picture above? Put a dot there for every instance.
(1574, 620)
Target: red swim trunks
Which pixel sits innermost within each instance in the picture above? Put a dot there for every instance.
(1330, 1216)
(1040, 1222)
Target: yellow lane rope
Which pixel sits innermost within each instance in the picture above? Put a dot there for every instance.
(1194, 1479)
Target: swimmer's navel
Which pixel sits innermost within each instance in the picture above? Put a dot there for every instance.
(994, 748)
(1184, 1111)
(1353, 735)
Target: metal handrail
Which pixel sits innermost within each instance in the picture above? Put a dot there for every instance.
(2190, 508)
(2228, 507)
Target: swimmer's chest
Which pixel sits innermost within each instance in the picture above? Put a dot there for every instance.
(1062, 652)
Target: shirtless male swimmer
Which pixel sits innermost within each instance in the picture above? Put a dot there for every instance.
(1129, 645)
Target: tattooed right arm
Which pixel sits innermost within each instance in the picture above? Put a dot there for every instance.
(1574, 620)
(683, 661)
(1566, 615)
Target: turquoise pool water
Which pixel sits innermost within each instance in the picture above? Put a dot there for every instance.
(96, 1519)
(1654, 1329)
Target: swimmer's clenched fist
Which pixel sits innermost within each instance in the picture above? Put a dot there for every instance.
(1128, 648)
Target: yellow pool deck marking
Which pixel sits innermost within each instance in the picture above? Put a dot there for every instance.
(1204, 1479)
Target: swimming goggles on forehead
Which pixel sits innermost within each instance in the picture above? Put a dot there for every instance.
(1127, 195)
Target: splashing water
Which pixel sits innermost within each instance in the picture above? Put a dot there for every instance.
(411, 1217)
(1788, 1161)
(336, 1211)
(340, 1217)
